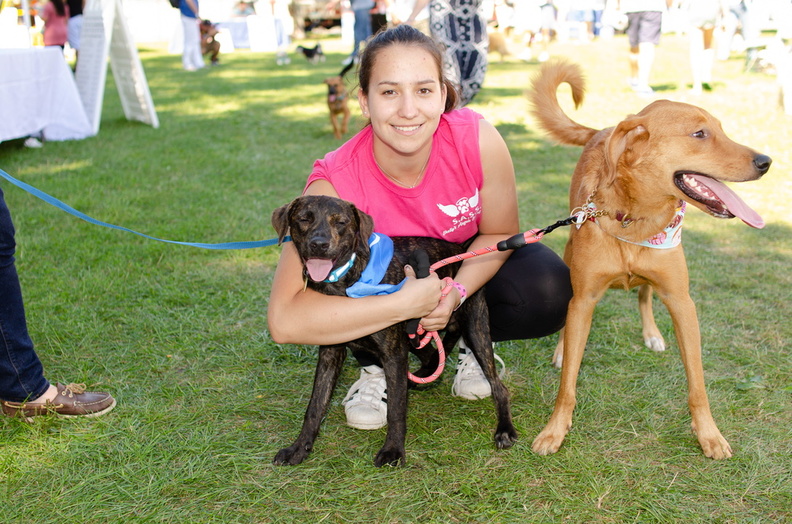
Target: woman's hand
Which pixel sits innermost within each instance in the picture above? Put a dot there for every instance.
(438, 318)
(421, 296)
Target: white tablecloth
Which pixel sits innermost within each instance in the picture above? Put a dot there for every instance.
(38, 93)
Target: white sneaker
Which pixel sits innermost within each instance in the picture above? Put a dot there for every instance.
(366, 404)
(33, 143)
(470, 382)
(643, 90)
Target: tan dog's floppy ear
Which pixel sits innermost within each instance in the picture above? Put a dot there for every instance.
(623, 138)
(280, 221)
(366, 225)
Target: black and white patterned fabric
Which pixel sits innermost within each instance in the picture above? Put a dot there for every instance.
(461, 28)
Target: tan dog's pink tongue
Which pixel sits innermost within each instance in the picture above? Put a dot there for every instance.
(318, 268)
(734, 203)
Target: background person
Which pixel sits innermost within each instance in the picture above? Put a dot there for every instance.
(362, 26)
(23, 389)
(56, 23)
(645, 18)
(284, 27)
(703, 17)
(421, 167)
(192, 59)
(209, 44)
(461, 27)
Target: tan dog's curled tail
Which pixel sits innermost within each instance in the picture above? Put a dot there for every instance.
(546, 109)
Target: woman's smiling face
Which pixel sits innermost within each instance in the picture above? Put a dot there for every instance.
(405, 99)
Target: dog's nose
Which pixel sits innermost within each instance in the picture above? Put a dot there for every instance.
(319, 244)
(762, 163)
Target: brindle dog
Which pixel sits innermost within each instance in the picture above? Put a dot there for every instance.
(338, 104)
(326, 232)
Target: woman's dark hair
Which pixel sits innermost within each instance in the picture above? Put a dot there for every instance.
(59, 7)
(406, 35)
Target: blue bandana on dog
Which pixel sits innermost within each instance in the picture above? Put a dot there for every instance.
(370, 280)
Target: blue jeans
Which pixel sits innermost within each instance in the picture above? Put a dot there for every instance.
(21, 372)
(362, 28)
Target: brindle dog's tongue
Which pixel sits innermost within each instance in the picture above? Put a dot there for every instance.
(318, 268)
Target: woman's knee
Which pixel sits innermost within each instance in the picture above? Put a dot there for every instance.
(528, 298)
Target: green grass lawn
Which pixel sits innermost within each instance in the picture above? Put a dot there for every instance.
(205, 398)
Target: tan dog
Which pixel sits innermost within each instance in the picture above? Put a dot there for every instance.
(627, 189)
(338, 103)
(498, 43)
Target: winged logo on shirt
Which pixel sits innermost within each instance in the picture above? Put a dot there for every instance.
(461, 206)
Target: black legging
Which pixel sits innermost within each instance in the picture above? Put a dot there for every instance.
(527, 297)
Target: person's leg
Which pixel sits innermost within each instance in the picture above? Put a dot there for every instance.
(362, 29)
(648, 38)
(708, 57)
(528, 297)
(21, 372)
(633, 29)
(696, 36)
(192, 58)
(23, 389)
(646, 56)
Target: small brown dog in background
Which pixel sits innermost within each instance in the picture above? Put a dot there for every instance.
(498, 43)
(338, 103)
(629, 191)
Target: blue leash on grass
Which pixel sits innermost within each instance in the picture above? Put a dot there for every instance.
(65, 207)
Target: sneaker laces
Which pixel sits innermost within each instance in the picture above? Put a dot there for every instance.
(370, 388)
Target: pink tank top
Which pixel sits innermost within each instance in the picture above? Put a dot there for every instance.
(445, 204)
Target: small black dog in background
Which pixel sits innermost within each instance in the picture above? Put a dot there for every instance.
(313, 55)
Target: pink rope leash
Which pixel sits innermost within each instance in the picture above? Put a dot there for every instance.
(428, 336)
(529, 237)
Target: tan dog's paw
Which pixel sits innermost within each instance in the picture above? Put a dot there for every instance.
(713, 444)
(548, 442)
(655, 343)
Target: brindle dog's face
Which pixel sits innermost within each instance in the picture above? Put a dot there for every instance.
(325, 231)
(335, 87)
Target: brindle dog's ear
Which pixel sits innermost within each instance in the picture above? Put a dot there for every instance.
(280, 221)
(366, 224)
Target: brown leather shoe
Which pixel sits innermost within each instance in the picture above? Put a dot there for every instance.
(72, 401)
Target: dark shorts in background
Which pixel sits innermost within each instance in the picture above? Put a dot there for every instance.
(644, 27)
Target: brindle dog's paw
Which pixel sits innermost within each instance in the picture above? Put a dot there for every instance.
(291, 456)
(389, 457)
(505, 437)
